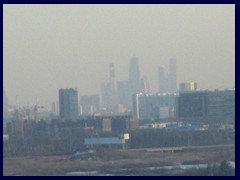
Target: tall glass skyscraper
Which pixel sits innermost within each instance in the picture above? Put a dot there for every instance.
(68, 104)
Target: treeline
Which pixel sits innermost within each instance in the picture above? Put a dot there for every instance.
(151, 138)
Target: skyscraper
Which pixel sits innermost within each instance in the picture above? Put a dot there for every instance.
(123, 93)
(162, 81)
(105, 95)
(172, 76)
(112, 89)
(89, 104)
(68, 104)
(134, 77)
(134, 73)
(167, 83)
(112, 76)
(108, 91)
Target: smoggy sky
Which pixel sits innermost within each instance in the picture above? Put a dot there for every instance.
(47, 47)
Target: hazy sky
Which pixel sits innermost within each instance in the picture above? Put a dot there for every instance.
(47, 47)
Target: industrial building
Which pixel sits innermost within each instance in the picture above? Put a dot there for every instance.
(153, 106)
(206, 106)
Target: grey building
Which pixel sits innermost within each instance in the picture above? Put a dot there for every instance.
(206, 106)
(172, 76)
(167, 82)
(108, 92)
(123, 94)
(68, 104)
(153, 106)
(162, 81)
(89, 104)
(135, 85)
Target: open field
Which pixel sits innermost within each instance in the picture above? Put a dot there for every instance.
(107, 161)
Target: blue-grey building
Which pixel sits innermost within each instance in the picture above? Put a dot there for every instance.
(68, 104)
(206, 105)
(153, 106)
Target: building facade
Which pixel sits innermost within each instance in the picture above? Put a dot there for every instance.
(167, 83)
(162, 81)
(108, 92)
(68, 104)
(150, 107)
(135, 85)
(206, 106)
(89, 104)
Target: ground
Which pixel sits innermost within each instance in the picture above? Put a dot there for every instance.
(115, 162)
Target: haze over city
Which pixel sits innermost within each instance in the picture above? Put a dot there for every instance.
(48, 47)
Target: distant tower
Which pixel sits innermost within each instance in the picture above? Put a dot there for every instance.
(112, 89)
(123, 93)
(108, 92)
(112, 76)
(172, 76)
(162, 81)
(89, 104)
(134, 77)
(68, 104)
(134, 73)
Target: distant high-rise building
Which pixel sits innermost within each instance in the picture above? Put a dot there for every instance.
(108, 92)
(112, 89)
(89, 104)
(112, 76)
(134, 77)
(187, 86)
(134, 72)
(68, 104)
(172, 76)
(167, 83)
(123, 93)
(162, 81)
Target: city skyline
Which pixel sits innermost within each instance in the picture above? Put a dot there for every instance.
(74, 46)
